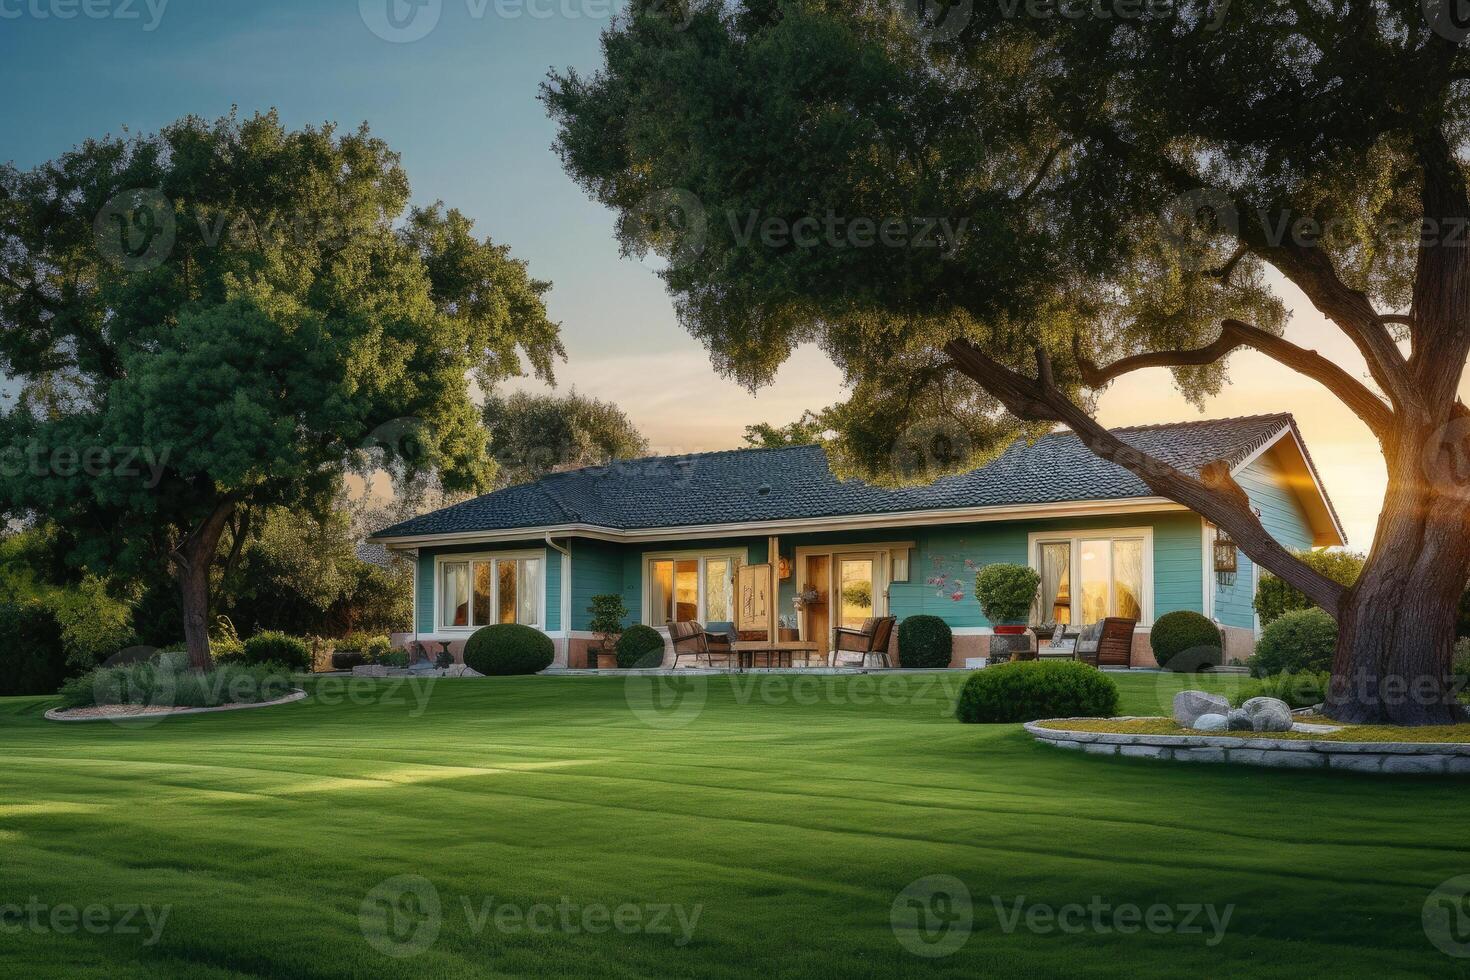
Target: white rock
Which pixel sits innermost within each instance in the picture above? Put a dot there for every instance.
(1189, 705)
(1211, 723)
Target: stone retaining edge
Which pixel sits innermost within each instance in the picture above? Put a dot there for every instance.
(1396, 758)
(59, 714)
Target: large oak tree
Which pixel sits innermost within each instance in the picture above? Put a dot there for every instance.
(986, 213)
(226, 317)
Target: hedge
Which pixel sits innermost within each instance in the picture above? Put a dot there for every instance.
(1304, 640)
(34, 657)
(508, 648)
(925, 642)
(640, 646)
(278, 648)
(1031, 690)
(1185, 641)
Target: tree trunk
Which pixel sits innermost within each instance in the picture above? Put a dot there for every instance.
(1396, 625)
(193, 560)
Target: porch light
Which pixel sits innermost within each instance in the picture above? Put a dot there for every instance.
(1226, 558)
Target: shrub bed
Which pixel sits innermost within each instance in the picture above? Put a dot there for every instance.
(167, 681)
(1185, 642)
(925, 642)
(1032, 690)
(277, 648)
(1300, 690)
(1298, 641)
(508, 649)
(34, 659)
(640, 646)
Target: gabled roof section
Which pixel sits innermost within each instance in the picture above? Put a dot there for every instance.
(1289, 450)
(770, 486)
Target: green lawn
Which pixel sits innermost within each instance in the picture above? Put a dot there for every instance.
(789, 822)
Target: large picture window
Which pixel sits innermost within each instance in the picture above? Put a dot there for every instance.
(1091, 575)
(691, 589)
(476, 592)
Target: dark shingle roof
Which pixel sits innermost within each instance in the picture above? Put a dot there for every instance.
(744, 485)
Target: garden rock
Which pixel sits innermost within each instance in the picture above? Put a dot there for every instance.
(1240, 721)
(1269, 714)
(1189, 705)
(1211, 723)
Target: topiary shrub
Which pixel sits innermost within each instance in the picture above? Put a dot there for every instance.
(1185, 641)
(925, 642)
(1274, 598)
(33, 654)
(1303, 640)
(640, 646)
(1006, 592)
(1036, 689)
(277, 648)
(507, 649)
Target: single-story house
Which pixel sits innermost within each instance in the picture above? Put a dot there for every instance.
(684, 537)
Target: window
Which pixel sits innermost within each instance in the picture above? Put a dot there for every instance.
(482, 592)
(691, 589)
(1093, 575)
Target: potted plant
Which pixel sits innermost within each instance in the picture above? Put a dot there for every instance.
(608, 613)
(1006, 594)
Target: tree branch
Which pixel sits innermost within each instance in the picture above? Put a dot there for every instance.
(1215, 495)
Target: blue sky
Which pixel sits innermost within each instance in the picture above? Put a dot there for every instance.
(460, 105)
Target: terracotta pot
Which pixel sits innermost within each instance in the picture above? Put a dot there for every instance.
(607, 661)
(1010, 629)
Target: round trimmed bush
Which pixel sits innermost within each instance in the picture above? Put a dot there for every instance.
(1185, 641)
(277, 648)
(640, 646)
(1035, 689)
(924, 642)
(508, 648)
(1298, 641)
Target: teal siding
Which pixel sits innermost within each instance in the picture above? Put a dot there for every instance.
(1282, 515)
(597, 569)
(424, 606)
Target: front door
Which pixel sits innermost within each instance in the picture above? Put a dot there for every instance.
(855, 588)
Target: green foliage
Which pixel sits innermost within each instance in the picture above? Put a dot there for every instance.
(1301, 640)
(608, 612)
(266, 315)
(95, 622)
(33, 653)
(1300, 690)
(170, 683)
(1006, 592)
(1275, 598)
(1185, 641)
(858, 594)
(640, 646)
(371, 645)
(508, 648)
(805, 431)
(1031, 690)
(532, 435)
(1461, 666)
(278, 648)
(925, 642)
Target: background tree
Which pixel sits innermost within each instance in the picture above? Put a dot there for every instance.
(532, 435)
(987, 214)
(805, 431)
(228, 315)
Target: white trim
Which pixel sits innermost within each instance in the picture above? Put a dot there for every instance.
(1207, 555)
(735, 556)
(882, 552)
(1301, 449)
(566, 581)
(1076, 537)
(459, 632)
(923, 518)
(988, 631)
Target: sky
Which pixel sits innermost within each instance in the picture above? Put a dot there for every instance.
(459, 104)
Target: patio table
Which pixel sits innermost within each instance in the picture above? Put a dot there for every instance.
(782, 650)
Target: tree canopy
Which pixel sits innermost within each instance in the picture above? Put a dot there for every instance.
(805, 431)
(532, 435)
(230, 313)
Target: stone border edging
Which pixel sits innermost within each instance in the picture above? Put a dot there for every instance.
(1396, 758)
(59, 714)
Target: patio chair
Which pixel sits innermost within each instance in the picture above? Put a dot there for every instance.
(691, 640)
(870, 641)
(1108, 643)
